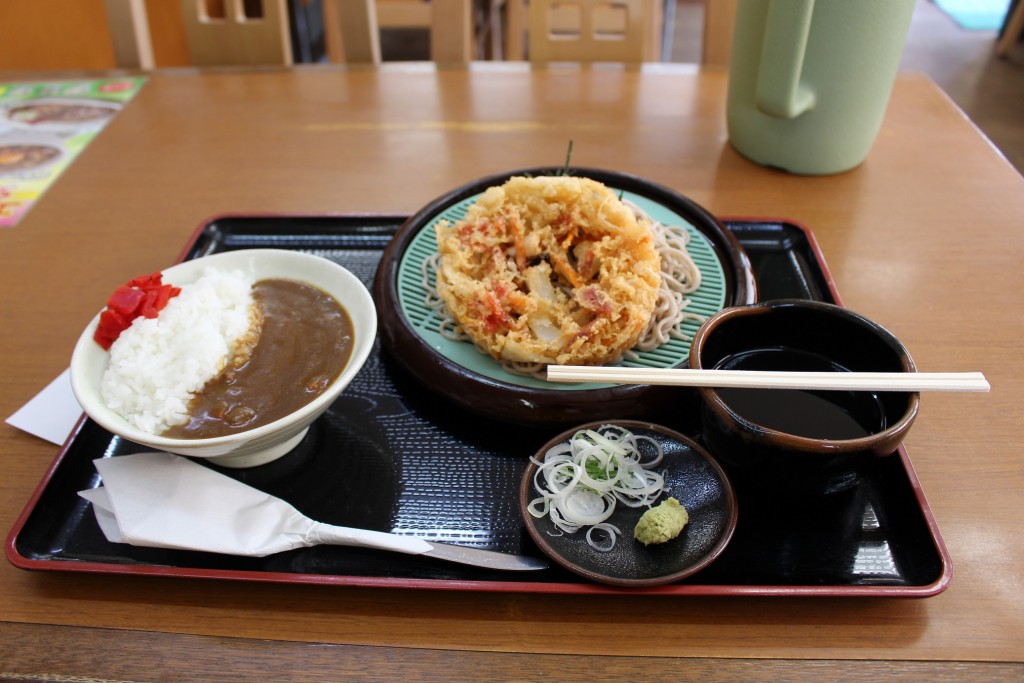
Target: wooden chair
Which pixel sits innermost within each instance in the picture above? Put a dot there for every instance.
(215, 32)
(230, 37)
(242, 32)
(356, 24)
(594, 31)
(719, 16)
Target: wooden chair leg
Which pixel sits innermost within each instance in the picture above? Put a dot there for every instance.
(451, 33)
(129, 30)
(1012, 32)
(515, 26)
(356, 25)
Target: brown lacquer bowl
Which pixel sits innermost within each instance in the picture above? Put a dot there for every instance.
(817, 441)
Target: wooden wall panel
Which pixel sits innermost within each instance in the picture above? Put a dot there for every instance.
(54, 34)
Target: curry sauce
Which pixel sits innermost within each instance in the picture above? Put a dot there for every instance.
(305, 341)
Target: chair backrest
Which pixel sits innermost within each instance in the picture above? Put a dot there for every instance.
(593, 31)
(356, 25)
(243, 32)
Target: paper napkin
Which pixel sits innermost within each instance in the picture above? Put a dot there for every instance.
(167, 501)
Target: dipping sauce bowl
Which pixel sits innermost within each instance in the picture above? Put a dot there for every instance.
(803, 441)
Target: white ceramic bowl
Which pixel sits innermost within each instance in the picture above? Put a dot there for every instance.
(261, 444)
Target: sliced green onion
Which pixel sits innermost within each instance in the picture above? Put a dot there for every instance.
(581, 481)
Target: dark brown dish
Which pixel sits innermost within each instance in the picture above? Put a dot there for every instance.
(692, 476)
(495, 397)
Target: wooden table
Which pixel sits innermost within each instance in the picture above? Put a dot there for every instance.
(924, 237)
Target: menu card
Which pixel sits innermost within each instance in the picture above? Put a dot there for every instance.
(43, 127)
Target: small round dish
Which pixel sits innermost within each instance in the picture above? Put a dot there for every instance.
(457, 370)
(692, 476)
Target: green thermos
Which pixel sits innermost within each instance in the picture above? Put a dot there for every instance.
(809, 80)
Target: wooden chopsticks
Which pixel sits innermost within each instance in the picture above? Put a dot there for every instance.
(765, 379)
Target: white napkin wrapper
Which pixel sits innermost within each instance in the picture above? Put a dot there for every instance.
(52, 413)
(167, 501)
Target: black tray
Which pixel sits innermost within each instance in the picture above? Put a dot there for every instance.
(389, 455)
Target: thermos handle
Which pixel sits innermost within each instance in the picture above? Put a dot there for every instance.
(779, 90)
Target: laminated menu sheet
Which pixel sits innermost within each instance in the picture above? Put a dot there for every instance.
(44, 126)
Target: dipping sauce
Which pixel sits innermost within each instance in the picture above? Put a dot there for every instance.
(831, 415)
(305, 342)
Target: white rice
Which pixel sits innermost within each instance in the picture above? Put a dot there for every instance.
(158, 363)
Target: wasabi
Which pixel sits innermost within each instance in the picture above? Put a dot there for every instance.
(662, 523)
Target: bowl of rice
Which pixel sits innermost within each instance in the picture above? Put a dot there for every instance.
(312, 337)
